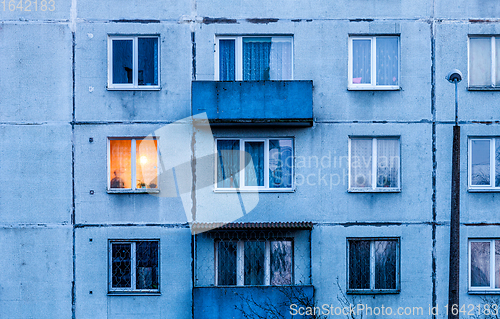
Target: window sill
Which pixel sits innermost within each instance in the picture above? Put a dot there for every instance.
(377, 190)
(373, 291)
(134, 88)
(239, 190)
(373, 88)
(134, 191)
(133, 293)
(484, 292)
(484, 190)
(483, 88)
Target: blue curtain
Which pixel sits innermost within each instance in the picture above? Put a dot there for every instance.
(226, 60)
(256, 57)
(255, 176)
(387, 61)
(361, 61)
(229, 163)
(280, 163)
(122, 61)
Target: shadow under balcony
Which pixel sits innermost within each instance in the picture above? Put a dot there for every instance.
(254, 102)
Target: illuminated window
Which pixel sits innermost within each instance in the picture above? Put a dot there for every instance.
(133, 62)
(124, 174)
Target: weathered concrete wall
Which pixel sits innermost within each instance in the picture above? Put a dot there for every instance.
(52, 102)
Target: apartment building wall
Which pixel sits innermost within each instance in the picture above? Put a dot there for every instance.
(57, 217)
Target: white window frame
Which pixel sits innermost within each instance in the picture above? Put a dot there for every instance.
(244, 188)
(240, 261)
(491, 288)
(491, 186)
(372, 289)
(493, 40)
(135, 62)
(238, 54)
(133, 155)
(374, 187)
(133, 270)
(373, 62)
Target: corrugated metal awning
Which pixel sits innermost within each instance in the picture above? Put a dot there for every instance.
(255, 225)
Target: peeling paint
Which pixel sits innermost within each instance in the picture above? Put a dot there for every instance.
(207, 20)
(135, 21)
(262, 20)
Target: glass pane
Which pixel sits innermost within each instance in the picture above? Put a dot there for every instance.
(122, 61)
(497, 161)
(256, 58)
(497, 263)
(361, 61)
(480, 61)
(147, 265)
(361, 163)
(387, 61)
(497, 57)
(148, 61)
(229, 163)
(480, 264)
(281, 59)
(359, 264)
(254, 163)
(121, 266)
(226, 266)
(281, 263)
(226, 60)
(280, 163)
(254, 262)
(120, 170)
(480, 174)
(387, 163)
(385, 264)
(146, 163)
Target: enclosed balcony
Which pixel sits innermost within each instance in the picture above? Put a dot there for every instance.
(254, 102)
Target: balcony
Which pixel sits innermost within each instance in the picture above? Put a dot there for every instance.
(232, 302)
(254, 102)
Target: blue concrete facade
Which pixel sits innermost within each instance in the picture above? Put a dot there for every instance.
(57, 217)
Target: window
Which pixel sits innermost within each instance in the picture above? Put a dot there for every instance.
(374, 63)
(253, 58)
(374, 164)
(133, 62)
(134, 266)
(254, 262)
(484, 62)
(484, 163)
(126, 176)
(373, 265)
(484, 264)
(255, 164)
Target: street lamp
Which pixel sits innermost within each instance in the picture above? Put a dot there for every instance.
(455, 76)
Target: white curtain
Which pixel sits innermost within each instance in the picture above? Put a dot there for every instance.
(281, 59)
(387, 162)
(480, 61)
(361, 163)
